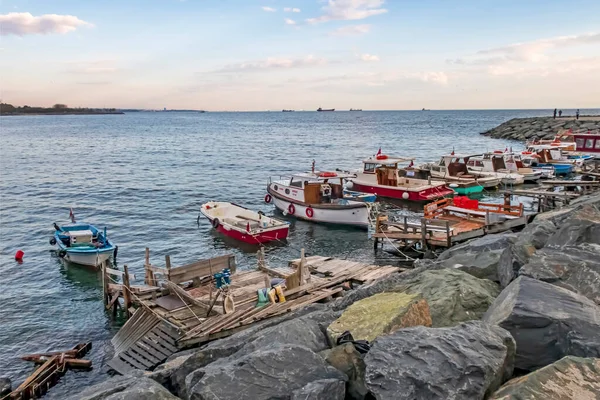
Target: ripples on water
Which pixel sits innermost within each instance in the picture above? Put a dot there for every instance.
(144, 177)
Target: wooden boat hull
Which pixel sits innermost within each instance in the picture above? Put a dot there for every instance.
(263, 237)
(464, 190)
(400, 193)
(355, 216)
(92, 255)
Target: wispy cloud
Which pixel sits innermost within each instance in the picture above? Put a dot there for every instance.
(368, 57)
(275, 63)
(527, 52)
(92, 67)
(290, 9)
(289, 21)
(342, 10)
(351, 30)
(21, 24)
(269, 9)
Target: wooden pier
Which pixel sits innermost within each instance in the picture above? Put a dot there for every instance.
(553, 194)
(182, 306)
(445, 224)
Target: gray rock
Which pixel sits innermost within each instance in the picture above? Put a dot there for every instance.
(576, 268)
(569, 378)
(5, 386)
(478, 257)
(547, 322)
(271, 373)
(511, 261)
(349, 361)
(324, 389)
(537, 233)
(583, 227)
(306, 330)
(126, 388)
(467, 361)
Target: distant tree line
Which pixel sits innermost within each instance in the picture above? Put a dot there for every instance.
(9, 109)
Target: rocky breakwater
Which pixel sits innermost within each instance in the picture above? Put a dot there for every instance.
(541, 127)
(513, 316)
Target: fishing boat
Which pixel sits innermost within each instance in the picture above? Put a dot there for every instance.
(452, 168)
(325, 109)
(243, 224)
(83, 244)
(514, 163)
(287, 110)
(551, 156)
(381, 175)
(492, 164)
(356, 109)
(317, 196)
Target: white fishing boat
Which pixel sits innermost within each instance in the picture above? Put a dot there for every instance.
(514, 163)
(452, 168)
(243, 224)
(317, 196)
(493, 165)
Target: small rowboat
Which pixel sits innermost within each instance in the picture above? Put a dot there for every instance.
(82, 244)
(243, 224)
(359, 196)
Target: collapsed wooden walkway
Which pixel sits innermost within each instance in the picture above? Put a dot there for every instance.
(187, 310)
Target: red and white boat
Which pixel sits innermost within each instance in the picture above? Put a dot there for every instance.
(382, 176)
(243, 224)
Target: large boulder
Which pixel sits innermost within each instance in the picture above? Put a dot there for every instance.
(512, 259)
(349, 361)
(126, 388)
(467, 361)
(576, 268)
(478, 257)
(324, 389)
(547, 322)
(306, 330)
(381, 314)
(271, 373)
(569, 378)
(453, 296)
(537, 233)
(582, 227)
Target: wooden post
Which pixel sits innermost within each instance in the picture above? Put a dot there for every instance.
(126, 290)
(424, 233)
(448, 239)
(105, 293)
(405, 224)
(261, 258)
(304, 272)
(168, 265)
(146, 267)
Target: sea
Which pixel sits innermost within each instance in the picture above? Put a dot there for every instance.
(144, 176)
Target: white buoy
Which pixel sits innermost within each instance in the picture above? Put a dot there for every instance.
(405, 195)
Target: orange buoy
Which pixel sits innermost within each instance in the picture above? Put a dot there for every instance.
(19, 255)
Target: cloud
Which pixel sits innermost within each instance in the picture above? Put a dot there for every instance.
(26, 24)
(269, 9)
(290, 21)
(290, 9)
(368, 57)
(351, 30)
(535, 51)
(440, 78)
(92, 67)
(346, 10)
(274, 63)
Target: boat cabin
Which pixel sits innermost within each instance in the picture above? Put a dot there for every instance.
(587, 142)
(388, 173)
(452, 165)
(546, 153)
(489, 162)
(312, 187)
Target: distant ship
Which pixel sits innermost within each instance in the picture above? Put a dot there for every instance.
(425, 109)
(356, 109)
(287, 110)
(325, 109)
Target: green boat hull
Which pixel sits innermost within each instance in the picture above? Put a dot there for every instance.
(468, 190)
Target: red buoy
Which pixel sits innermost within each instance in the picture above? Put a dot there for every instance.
(19, 255)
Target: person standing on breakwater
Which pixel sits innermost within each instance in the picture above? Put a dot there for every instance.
(554, 116)
(559, 113)
(577, 114)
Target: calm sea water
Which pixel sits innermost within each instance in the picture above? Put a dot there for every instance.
(144, 177)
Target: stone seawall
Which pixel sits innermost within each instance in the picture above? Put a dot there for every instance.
(542, 127)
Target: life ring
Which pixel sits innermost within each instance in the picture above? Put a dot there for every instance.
(498, 151)
(526, 152)
(52, 241)
(268, 198)
(310, 212)
(381, 157)
(327, 174)
(291, 209)
(216, 223)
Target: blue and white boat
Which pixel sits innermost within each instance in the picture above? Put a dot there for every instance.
(359, 196)
(552, 156)
(83, 244)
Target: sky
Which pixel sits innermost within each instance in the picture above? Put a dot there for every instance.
(301, 54)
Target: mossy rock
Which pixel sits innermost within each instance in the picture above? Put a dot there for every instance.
(381, 314)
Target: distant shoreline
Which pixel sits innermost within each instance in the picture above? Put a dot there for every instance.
(62, 113)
